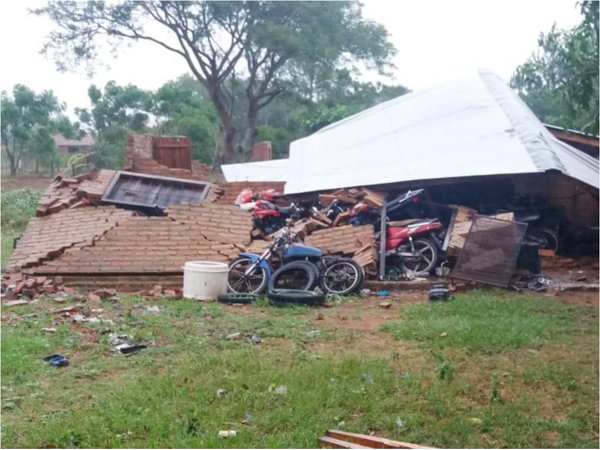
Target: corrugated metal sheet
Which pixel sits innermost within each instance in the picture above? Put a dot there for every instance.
(146, 191)
(174, 152)
(472, 127)
(274, 170)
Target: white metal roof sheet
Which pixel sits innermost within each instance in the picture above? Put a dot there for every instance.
(470, 127)
(273, 170)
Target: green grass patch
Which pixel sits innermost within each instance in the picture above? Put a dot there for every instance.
(490, 321)
(288, 389)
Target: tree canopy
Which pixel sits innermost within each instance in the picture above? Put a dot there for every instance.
(27, 123)
(263, 47)
(560, 79)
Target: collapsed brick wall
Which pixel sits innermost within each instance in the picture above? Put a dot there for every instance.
(220, 223)
(69, 192)
(160, 245)
(139, 158)
(49, 236)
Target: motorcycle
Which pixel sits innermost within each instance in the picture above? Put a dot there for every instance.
(268, 217)
(414, 245)
(303, 267)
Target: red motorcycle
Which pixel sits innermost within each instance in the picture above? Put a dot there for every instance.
(412, 245)
(268, 217)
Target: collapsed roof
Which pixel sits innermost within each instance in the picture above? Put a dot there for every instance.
(471, 127)
(273, 170)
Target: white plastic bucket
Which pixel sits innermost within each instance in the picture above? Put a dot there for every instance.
(204, 280)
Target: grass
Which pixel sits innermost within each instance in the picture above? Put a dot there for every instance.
(489, 322)
(527, 389)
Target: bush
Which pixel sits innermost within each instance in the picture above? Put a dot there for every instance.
(18, 206)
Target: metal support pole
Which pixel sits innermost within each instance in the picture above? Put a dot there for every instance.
(383, 237)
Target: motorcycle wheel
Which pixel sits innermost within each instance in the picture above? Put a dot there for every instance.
(427, 258)
(240, 283)
(545, 236)
(297, 275)
(344, 276)
(284, 297)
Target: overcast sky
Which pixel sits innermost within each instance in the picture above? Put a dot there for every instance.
(436, 41)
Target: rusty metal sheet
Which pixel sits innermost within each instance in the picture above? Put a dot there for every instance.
(490, 252)
(130, 189)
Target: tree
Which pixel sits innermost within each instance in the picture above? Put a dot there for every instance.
(560, 80)
(182, 107)
(271, 44)
(115, 111)
(27, 122)
(117, 106)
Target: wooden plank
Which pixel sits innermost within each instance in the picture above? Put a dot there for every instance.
(341, 218)
(373, 198)
(370, 441)
(322, 217)
(326, 199)
(329, 442)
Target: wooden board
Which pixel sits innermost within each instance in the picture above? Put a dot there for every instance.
(363, 441)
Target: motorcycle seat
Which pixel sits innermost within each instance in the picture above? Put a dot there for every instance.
(402, 223)
(527, 217)
(284, 209)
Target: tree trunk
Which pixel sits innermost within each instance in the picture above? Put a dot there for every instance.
(251, 131)
(227, 130)
(13, 165)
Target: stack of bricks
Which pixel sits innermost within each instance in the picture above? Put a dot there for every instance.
(93, 188)
(72, 192)
(50, 236)
(350, 241)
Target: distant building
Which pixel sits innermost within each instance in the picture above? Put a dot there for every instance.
(69, 146)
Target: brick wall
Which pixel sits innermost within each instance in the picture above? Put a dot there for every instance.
(345, 240)
(261, 151)
(220, 223)
(49, 236)
(159, 245)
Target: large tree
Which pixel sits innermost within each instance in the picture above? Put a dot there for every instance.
(272, 45)
(560, 80)
(27, 122)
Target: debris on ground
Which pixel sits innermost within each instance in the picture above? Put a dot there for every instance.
(221, 393)
(344, 439)
(253, 338)
(129, 349)
(56, 360)
(279, 390)
(227, 433)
